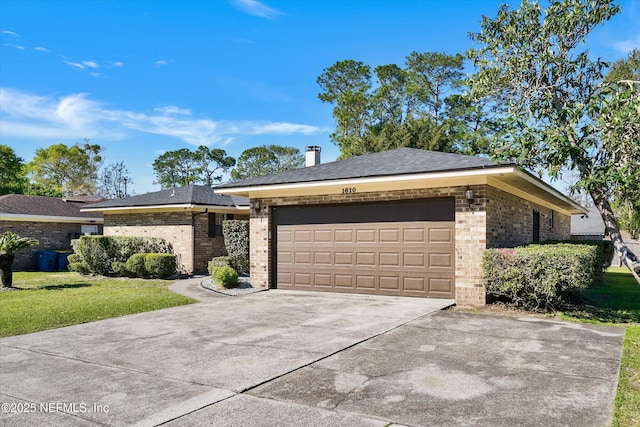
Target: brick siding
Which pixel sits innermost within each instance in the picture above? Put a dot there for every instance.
(184, 230)
(52, 236)
(495, 218)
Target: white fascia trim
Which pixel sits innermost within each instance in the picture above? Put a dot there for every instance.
(369, 180)
(48, 218)
(543, 185)
(159, 207)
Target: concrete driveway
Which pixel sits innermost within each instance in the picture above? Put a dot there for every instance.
(295, 358)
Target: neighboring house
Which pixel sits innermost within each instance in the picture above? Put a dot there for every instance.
(51, 220)
(403, 222)
(189, 218)
(589, 226)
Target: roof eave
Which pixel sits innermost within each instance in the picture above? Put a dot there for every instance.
(486, 170)
(166, 207)
(50, 218)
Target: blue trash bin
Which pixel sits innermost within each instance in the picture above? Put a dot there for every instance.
(62, 263)
(47, 260)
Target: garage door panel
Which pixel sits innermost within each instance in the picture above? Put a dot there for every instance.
(412, 258)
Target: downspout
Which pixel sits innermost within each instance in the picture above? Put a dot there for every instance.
(193, 237)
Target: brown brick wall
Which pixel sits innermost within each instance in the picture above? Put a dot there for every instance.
(176, 228)
(510, 221)
(470, 233)
(52, 236)
(494, 219)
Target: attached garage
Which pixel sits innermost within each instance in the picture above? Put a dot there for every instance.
(404, 222)
(403, 248)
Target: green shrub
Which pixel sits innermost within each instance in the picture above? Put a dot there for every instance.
(120, 268)
(604, 253)
(136, 265)
(225, 276)
(539, 276)
(160, 265)
(220, 261)
(236, 240)
(101, 253)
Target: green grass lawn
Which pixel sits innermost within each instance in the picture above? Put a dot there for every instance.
(617, 302)
(53, 300)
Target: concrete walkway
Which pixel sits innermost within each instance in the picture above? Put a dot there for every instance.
(297, 358)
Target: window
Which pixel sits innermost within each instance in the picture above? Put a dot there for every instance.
(89, 230)
(551, 219)
(536, 226)
(215, 223)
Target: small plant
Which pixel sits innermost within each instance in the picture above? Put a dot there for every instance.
(10, 243)
(236, 240)
(221, 261)
(225, 276)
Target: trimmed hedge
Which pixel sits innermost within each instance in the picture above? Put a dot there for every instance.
(160, 265)
(105, 255)
(604, 252)
(221, 261)
(157, 266)
(225, 276)
(540, 276)
(236, 240)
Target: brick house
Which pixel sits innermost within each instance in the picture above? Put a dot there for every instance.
(189, 218)
(404, 222)
(54, 222)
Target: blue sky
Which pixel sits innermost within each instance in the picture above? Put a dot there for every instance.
(143, 77)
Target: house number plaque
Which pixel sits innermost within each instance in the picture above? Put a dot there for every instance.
(348, 190)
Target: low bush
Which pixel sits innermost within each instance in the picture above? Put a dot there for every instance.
(135, 265)
(604, 253)
(236, 240)
(225, 276)
(221, 261)
(540, 276)
(77, 264)
(105, 255)
(160, 266)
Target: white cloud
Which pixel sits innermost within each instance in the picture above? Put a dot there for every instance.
(626, 46)
(118, 64)
(41, 49)
(161, 63)
(76, 116)
(9, 33)
(76, 65)
(90, 64)
(253, 7)
(172, 109)
(19, 47)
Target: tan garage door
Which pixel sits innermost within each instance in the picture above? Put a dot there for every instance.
(408, 257)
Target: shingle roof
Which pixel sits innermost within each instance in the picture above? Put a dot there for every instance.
(400, 161)
(586, 225)
(189, 195)
(20, 204)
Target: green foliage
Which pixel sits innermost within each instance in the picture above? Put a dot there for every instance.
(135, 265)
(236, 240)
(11, 243)
(184, 167)
(99, 253)
(221, 261)
(225, 276)
(12, 175)
(559, 113)
(604, 253)
(266, 159)
(70, 170)
(419, 106)
(540, 276)
(77, 264)
(160, 265)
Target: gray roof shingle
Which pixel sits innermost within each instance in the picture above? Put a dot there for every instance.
(586, 225)
(401, 161)
(20, 204)
(189, 195)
